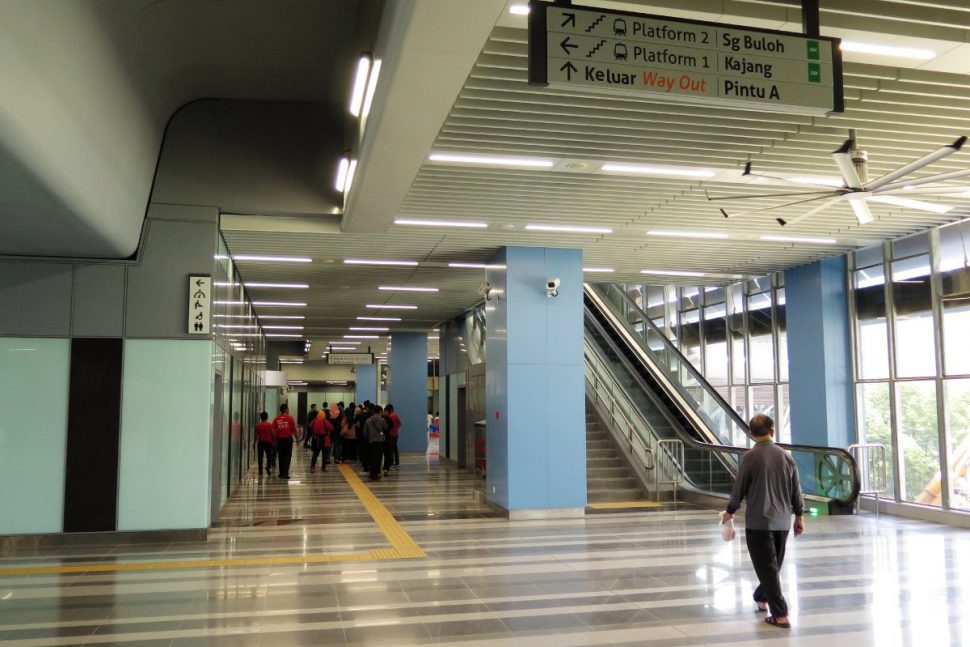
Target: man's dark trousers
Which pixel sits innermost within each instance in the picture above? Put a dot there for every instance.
(376, 454)
(284, 449)
(767, 551)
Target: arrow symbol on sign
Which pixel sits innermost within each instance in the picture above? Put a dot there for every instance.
(569, 68)
(198, 283)
(570, 19)
(566, 45)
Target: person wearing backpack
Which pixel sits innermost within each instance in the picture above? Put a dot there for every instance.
(320, 430)
(375, 433)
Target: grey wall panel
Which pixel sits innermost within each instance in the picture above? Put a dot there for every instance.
(157, 303)
(35, 299)
(99, 300)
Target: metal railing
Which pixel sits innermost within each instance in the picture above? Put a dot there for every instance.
(873, 469)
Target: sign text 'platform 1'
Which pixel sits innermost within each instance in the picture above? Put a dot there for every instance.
(684, 61)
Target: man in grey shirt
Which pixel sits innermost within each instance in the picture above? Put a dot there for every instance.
(768, 480)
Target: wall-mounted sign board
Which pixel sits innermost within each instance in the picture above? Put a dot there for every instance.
(200, 300)
(683, 60)
(350, 358)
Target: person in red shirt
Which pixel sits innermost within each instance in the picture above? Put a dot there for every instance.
(320, 430)
(392, 458)
(265, 443)
(284, 426)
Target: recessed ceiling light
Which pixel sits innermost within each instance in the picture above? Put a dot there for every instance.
(373, 329)
(340, 348)
(236, 326)
(280, 259)
(342, 342)
(360, 85)
(297, 286)
(341, 180)
(688, 234)
(282, 327)
(375, 72)
(275, 334)
(822, 180)
(519, 10)
(672, 273)
(391, 307)
(491, 160)
(366, 261)
(800, 239)
(399, 288)
(570, 229)
(598, 270)
(441, 223)
(379, 318)
(350, 175)
(887, 50)
(229, 303)
(286, 304)
(648, 169)
(261, 317)
(473, 266)
(361, 336)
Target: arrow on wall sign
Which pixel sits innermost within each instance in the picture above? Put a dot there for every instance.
(569, 19)
(566, 45)
(569, 68)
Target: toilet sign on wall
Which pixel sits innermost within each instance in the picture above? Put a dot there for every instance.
(685, 61)
(200, 298)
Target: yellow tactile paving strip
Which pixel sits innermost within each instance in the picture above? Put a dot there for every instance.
(402, 547)
(622, 505)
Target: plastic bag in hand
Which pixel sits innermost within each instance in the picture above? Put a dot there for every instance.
(727, 529)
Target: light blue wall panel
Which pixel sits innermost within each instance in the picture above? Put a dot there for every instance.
(819, 354)
(366, 383)
(408, 390)
(497, 386)
(34, 379)
(165, 420)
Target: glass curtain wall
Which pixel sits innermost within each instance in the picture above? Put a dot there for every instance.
(736, 336)
(911, 301)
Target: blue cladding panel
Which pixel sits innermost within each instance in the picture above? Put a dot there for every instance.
(366, 380)
(408, 390)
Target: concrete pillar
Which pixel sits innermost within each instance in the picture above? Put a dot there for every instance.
(535, 392)
(408, 388)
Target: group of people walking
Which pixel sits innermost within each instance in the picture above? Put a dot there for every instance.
(366, 432)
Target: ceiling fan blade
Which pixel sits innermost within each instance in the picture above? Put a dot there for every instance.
(861, 209)
(809, 213)
(844, 161)
(935, 156)
(929, 179)
(766, 195)
(777, 206)
(749, 173)
(924, 190)
(932, 207)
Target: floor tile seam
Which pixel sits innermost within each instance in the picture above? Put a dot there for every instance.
(575, 638)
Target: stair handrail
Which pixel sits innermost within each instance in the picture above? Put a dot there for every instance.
(590, 290)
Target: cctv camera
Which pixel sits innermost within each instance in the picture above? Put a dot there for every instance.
(552, 288)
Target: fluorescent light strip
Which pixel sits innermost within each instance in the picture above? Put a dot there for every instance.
(463, 158)
(360, 85)
(472, 266)
(261, 317)
(295, 304)
(375, 329)
(229, 303)
(360, 261)
(400, 288)
(276, 334)
(689, 234)
(342, 343)
(350, 175)
(800, 239)
(821, 180)
(280, 259)
(375, 71)
(570, 229)
(343, 348)
(378, 318)
(295, 286)
(441, 223)
(282, 327)
(341, 180)
(362, 337)
(912, 204)
(888, 50)
(672, 273)
(519, 10)
(598, 270)
(613, 167)
(236, 326)
(391, 307)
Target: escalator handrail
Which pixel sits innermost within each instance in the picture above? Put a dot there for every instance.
(846, 456)
(669, 346)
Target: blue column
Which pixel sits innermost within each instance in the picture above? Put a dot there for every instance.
(408, 389)
(366, 384)
(820, 354)
(535, 391)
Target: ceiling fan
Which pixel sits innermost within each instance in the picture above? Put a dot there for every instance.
(857, 189)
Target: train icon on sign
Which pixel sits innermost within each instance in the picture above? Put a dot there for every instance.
(619, 27)
(619, 52)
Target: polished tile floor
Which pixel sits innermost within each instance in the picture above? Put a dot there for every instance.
(657, 577)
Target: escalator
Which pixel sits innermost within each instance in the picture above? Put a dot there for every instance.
(667, 402)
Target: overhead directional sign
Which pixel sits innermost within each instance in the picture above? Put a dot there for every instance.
(200, 299)
(681, 60)
(350, 358)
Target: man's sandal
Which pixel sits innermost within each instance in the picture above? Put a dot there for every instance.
(760, 609)
(773, 621)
